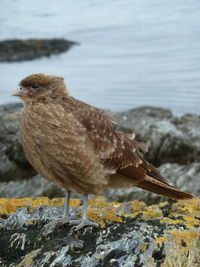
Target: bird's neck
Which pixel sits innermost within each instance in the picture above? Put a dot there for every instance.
(46, 99)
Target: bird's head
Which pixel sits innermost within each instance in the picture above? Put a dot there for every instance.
(41, 86)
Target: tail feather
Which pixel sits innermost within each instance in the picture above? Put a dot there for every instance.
(160, 188)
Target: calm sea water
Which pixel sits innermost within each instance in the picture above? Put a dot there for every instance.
(132, 52)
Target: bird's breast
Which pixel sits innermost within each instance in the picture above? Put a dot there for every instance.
(57, 146)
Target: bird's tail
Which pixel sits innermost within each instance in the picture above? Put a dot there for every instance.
(160, 188)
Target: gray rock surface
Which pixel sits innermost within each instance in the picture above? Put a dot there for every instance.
(13, 164)
(142, 238)
(172, 139)
(34, 187)
(117, 245)
(19, 50)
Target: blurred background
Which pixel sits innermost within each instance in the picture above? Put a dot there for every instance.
(131, 52)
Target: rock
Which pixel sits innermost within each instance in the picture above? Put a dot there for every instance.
(11, 108)
(13, 164)
(184, 177)
(8, 168)
(19, 50)
(35, 187)
(172, 139)
(158, 235)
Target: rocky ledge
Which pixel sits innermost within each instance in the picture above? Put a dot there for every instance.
(129, 234)
(19, 50)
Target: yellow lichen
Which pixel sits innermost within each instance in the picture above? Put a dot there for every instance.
(181, 248)
(161, 239)
(13, 116)
(191, 206)
(183, 240)
(74, 202)
(175, 259)
(101, 210)
(152, 212)
(99, 202)
(28, 259)
(143, 247)
(187, 236)
(8, 206)
(138, 206)
(184, 213)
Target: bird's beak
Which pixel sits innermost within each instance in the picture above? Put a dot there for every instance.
(19, 93)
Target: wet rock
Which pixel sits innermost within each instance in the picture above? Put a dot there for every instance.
(19, 50)
(172, 139)
(183, 177)
(146, 236)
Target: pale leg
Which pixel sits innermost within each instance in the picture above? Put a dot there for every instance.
(49, 227)
(84, 220)
(66, 205)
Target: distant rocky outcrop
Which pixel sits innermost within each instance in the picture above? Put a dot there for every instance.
(19, 50)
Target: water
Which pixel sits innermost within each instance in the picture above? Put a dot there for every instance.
(132, 52)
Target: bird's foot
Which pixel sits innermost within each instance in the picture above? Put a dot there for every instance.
(49, 227)
(82, 223)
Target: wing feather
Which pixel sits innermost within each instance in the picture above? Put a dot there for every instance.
(116, 150)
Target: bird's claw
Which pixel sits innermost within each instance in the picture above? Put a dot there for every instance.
(82, 223)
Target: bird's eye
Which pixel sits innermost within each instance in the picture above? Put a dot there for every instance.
(34, 85)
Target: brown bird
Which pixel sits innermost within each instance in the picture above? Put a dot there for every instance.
(74, 145)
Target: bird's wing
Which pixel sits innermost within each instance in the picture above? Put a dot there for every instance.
(116, 151)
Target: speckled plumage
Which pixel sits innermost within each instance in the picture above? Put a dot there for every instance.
(73, 144)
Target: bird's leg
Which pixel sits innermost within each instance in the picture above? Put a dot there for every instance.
(66, 206)
(49, 227)
(84, 220)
